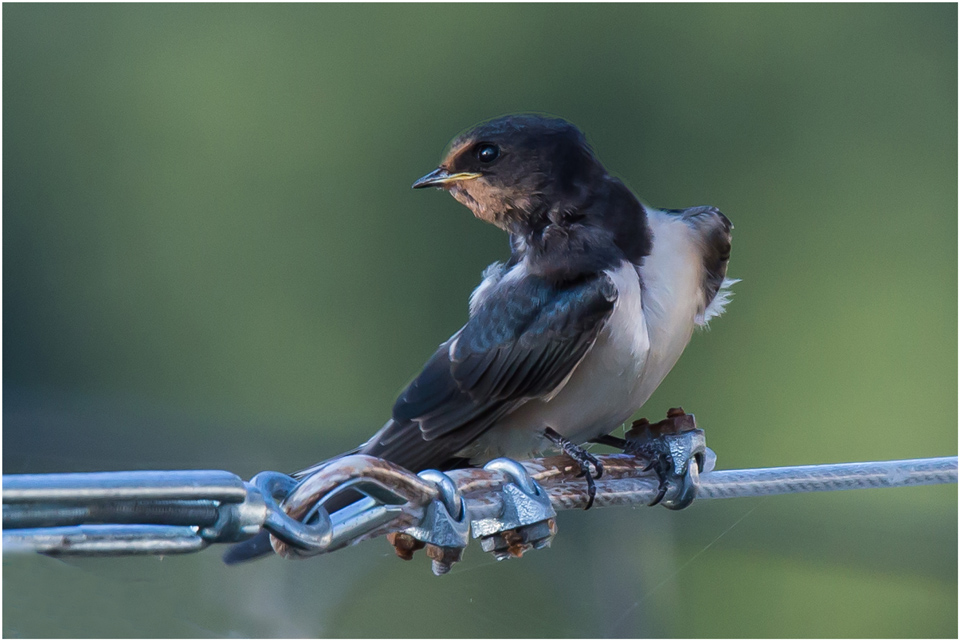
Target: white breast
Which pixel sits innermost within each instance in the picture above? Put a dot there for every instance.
(672, 294)
(597, 396)
(647, 331)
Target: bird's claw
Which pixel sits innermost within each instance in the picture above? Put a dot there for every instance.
(584, 459)
(676, 451)
(661, 466)
(587, 460)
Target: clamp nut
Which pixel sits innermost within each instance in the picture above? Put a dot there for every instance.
(404, 544)
(513, 543)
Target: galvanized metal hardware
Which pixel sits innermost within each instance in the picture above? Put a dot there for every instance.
(105, 540)
(527, 520)
(111, 513)
(393, 499)
(79, 488)
(510, 506)
(444, 527)
(677, 451)
(310, 534)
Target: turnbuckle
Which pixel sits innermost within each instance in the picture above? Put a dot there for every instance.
(120, 513)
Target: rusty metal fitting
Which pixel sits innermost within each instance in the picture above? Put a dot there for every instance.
(404, 545)
(514, 543)
(524, 501)
(677, 449)
(443, 558)
(394, 495)
(444, 524)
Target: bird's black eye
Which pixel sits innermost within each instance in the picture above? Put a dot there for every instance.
(487, 152)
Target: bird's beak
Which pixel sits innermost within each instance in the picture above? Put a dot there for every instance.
(440, 177)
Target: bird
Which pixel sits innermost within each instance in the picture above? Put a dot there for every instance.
(568, 337)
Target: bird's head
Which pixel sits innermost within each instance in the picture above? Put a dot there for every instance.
(516, 167)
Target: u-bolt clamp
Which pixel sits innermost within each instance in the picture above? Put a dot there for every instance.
(687, 454)
(527, 520)
(444, 526)
(678, 451)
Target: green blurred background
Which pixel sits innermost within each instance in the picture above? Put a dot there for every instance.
(212, 258)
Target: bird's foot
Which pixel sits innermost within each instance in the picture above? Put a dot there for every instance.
(583, 458)
(675, 450)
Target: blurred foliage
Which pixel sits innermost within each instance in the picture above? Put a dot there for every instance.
(212, 258)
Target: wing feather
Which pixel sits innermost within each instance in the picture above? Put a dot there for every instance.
(521, 342)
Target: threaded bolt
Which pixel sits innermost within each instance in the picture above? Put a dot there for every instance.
(443, 558)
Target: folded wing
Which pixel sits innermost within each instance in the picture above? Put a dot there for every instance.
(521, 342)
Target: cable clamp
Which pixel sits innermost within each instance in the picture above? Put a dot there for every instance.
(527, 520)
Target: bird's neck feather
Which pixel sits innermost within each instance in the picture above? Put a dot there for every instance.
(587, 232)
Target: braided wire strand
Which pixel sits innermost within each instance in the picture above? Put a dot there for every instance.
(723, 484)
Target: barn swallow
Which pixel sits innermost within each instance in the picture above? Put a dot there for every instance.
(572, 334)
